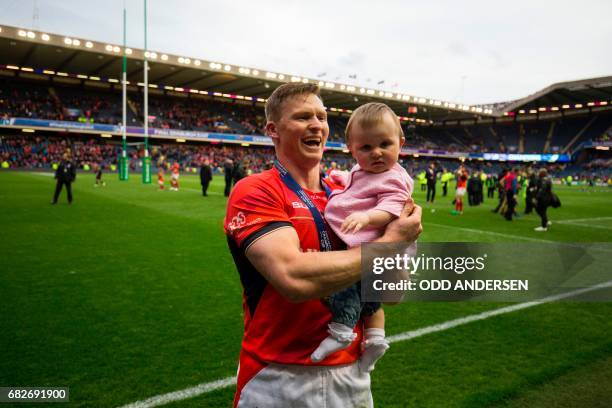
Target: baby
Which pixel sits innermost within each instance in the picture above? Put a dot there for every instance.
(376, 190)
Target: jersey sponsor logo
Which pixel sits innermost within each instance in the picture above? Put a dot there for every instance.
(297, 204)
(237, 221)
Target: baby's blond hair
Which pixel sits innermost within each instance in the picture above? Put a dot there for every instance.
(369, 115)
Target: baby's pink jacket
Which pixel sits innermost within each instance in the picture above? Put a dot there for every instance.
(387, 191)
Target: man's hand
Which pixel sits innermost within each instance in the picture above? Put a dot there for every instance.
(407, 227)
(355, 222)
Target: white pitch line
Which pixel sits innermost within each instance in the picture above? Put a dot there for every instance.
(36, 173)
(586, 219)
(498, 234)
(581, 224)
(485, 315)
(229, 381)
(199, 191)
(183, 394)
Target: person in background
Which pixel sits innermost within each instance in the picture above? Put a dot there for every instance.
(174, 177)
(490, 183)
(511, 189)
(99, 181)
(501, 193)
(228, 170)
(474, 189)
(462, 178)
(422, 177)
(432, 177)
(65, 176)
(205, 176)
(332, 167)
(160, 177)
(446, 177)
(532, 186)
(240, 170)
(544, 198)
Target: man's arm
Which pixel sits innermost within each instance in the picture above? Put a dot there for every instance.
(301, 276)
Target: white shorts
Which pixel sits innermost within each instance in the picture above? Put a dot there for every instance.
(282, 386)
(460, 192)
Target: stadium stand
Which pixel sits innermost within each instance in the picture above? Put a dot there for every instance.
(571, 118)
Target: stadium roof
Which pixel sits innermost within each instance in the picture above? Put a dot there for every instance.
(53, 54)
(586, 92)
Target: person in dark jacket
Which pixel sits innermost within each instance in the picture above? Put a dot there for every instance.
(474, 189)
(228, 170)
(532, 186)
(205, 176)
(65, 176)
(431, 175)
(501, 192)
(544, 198)
(240, 170)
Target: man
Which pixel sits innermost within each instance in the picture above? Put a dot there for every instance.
(511, 189)
(472, 189)
(491, 182)
(240, 170)
(205, 176)
(228, 170)
(432, 177)
(422, 178)
(174, 177)
(532, 186)
(288, 259)
(333, 167)
(446, 177)
(544, 199)
(65, 176)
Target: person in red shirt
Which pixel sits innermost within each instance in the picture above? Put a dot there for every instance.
(462, 178)
(174, 177)
(288, 259)
(160, 178)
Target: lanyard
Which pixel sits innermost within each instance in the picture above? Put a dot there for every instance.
(324, 241)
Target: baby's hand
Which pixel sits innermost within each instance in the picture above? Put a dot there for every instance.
(339, 177)
(355, 222)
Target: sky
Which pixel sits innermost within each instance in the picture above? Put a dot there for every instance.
(471, 52)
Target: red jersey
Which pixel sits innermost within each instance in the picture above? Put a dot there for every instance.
(462, 180)
(276, 330)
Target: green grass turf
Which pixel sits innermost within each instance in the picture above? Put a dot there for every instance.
(131, 292)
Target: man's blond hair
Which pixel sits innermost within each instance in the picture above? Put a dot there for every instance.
(280, 95)
(369, 115)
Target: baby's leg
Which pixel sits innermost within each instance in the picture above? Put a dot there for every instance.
(345, 307)
(374, 345)
(375, 320)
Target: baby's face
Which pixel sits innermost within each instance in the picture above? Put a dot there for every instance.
(376, 148)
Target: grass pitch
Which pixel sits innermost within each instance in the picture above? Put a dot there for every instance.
(130, 292)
